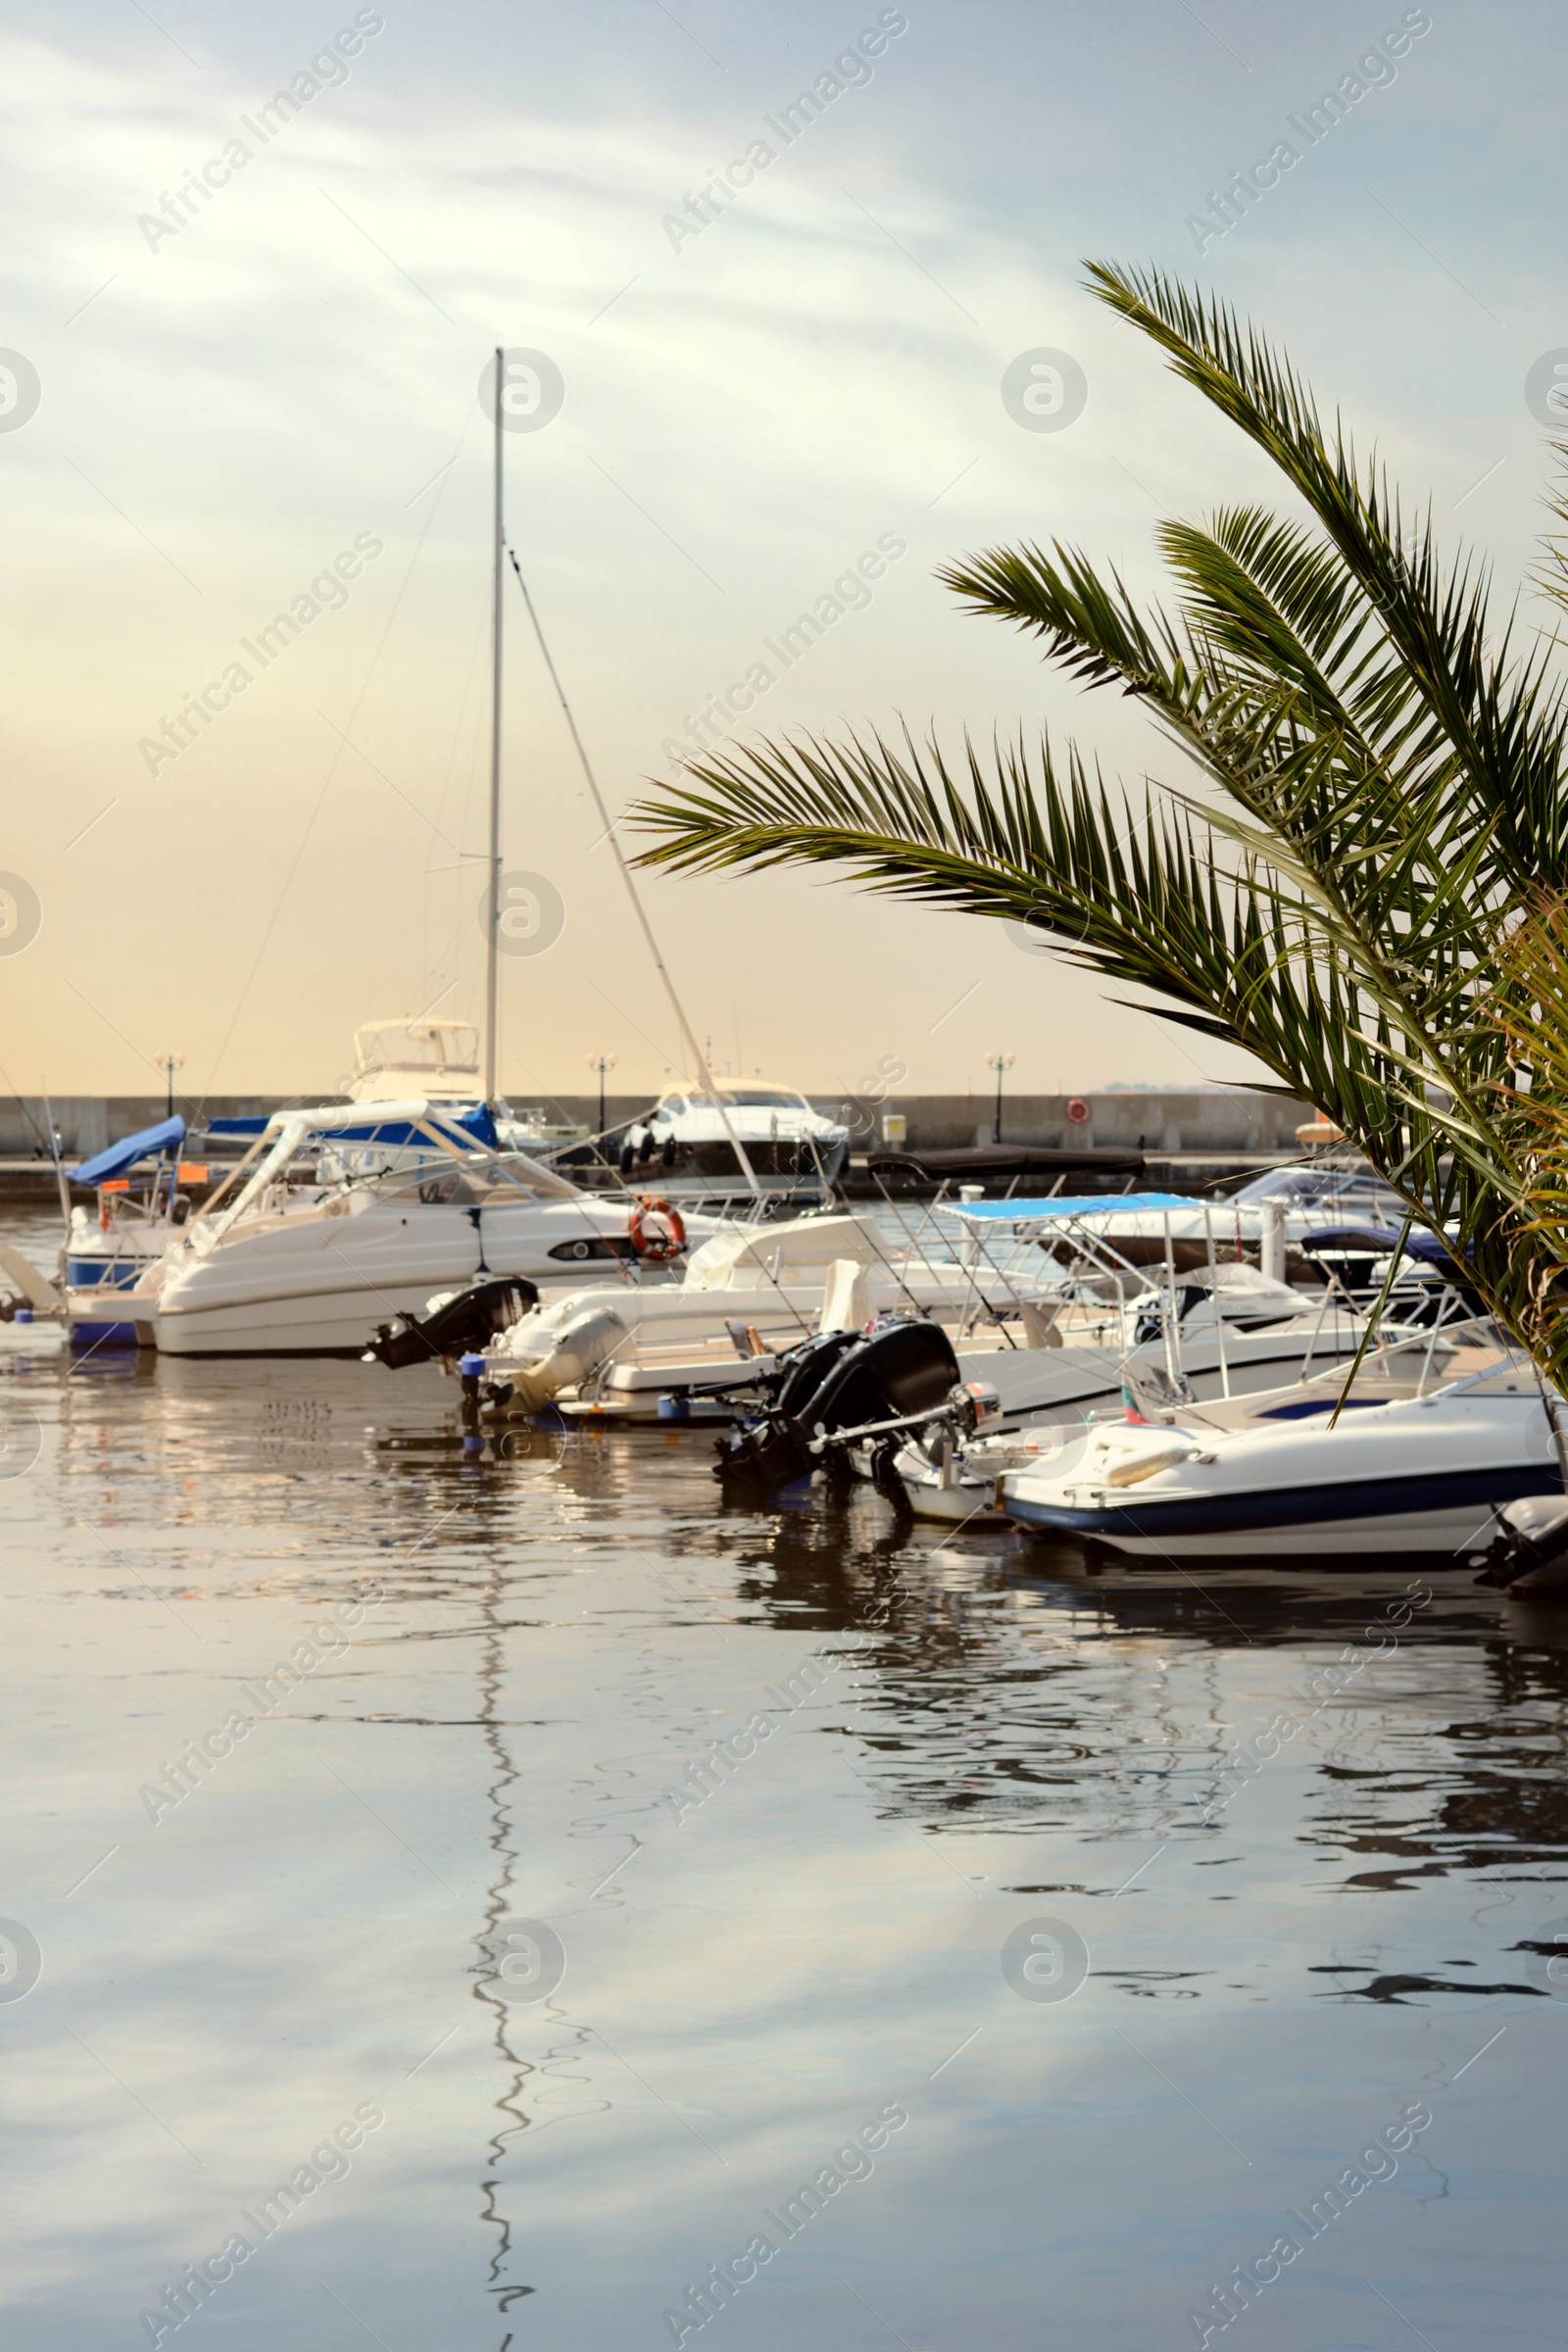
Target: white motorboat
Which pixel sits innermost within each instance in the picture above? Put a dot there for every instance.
(689, 1137)
(1276, 1211)
(1045, 1345)
(1412, 1463)
(1208, 1357)
(746, 1295)
(276, 1265)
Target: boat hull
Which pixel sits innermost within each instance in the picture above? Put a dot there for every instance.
(1434, 1511)
(1032, 1384)
(322, 1286)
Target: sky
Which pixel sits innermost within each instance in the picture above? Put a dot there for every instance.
(210, 402)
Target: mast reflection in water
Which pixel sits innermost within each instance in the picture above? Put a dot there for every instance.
(1279, 1957)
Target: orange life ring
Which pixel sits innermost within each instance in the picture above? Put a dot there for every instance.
(646, 1238)
(1077, 1110)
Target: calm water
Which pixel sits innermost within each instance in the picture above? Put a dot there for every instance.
(950, 1745)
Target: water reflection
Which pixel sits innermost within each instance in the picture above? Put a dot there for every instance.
(512, 2067)
(1001, 1684)
(1003, 1726)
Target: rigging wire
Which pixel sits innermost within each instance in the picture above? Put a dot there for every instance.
(697, 1056)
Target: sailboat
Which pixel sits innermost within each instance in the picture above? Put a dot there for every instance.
(303, 1250)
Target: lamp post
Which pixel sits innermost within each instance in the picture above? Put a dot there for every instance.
(601, 1063)
(999, 1062)
(169, 1063)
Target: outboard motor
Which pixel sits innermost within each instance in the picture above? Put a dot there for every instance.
(463, 1325)
(1529, 1553)
(837, 1389)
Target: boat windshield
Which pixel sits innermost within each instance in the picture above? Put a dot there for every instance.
(742, 1097)
(489, 1186)
(1344, 1191)
(1469, 1355)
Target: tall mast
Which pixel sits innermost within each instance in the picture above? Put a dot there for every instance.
(492, 975)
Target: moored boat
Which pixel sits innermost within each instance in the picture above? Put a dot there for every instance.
(144, 1195)
(1397, 1460)
(278, 1262)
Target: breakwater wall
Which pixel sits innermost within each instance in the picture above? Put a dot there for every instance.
(1161, 1124)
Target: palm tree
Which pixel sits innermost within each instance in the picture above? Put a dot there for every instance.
(1379, 803)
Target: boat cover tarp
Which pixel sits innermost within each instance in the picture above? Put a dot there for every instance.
(1010, 1159)
(1381, 1241)
(124, 1155)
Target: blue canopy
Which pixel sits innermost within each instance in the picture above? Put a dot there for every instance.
(122, 1155)
(476, 1121)
(480, 1122)
(1084, 1205)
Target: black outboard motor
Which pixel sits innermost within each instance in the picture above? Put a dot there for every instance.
(844, 1387)
(464, 1326)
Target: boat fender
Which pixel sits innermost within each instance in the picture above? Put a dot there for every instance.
(656, 1231)
(581, 1347)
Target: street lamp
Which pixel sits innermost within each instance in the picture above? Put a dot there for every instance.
(169, 1063)
(999, 1062)
(601, 1063)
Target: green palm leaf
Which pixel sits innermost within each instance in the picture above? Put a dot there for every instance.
(1373, 793)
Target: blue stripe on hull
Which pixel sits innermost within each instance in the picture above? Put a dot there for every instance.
(1299, 1506)
(114, 1273)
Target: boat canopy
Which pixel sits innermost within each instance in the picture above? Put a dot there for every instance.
(478, 1121)
(124, 1155)
(1088, 1204)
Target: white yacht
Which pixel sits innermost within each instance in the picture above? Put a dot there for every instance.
(686, 1137)
(431, 1056)
(435, 1061)
(1033, 1346)
(279, 1262)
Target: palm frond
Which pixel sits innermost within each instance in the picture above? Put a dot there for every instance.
(1374, 799)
